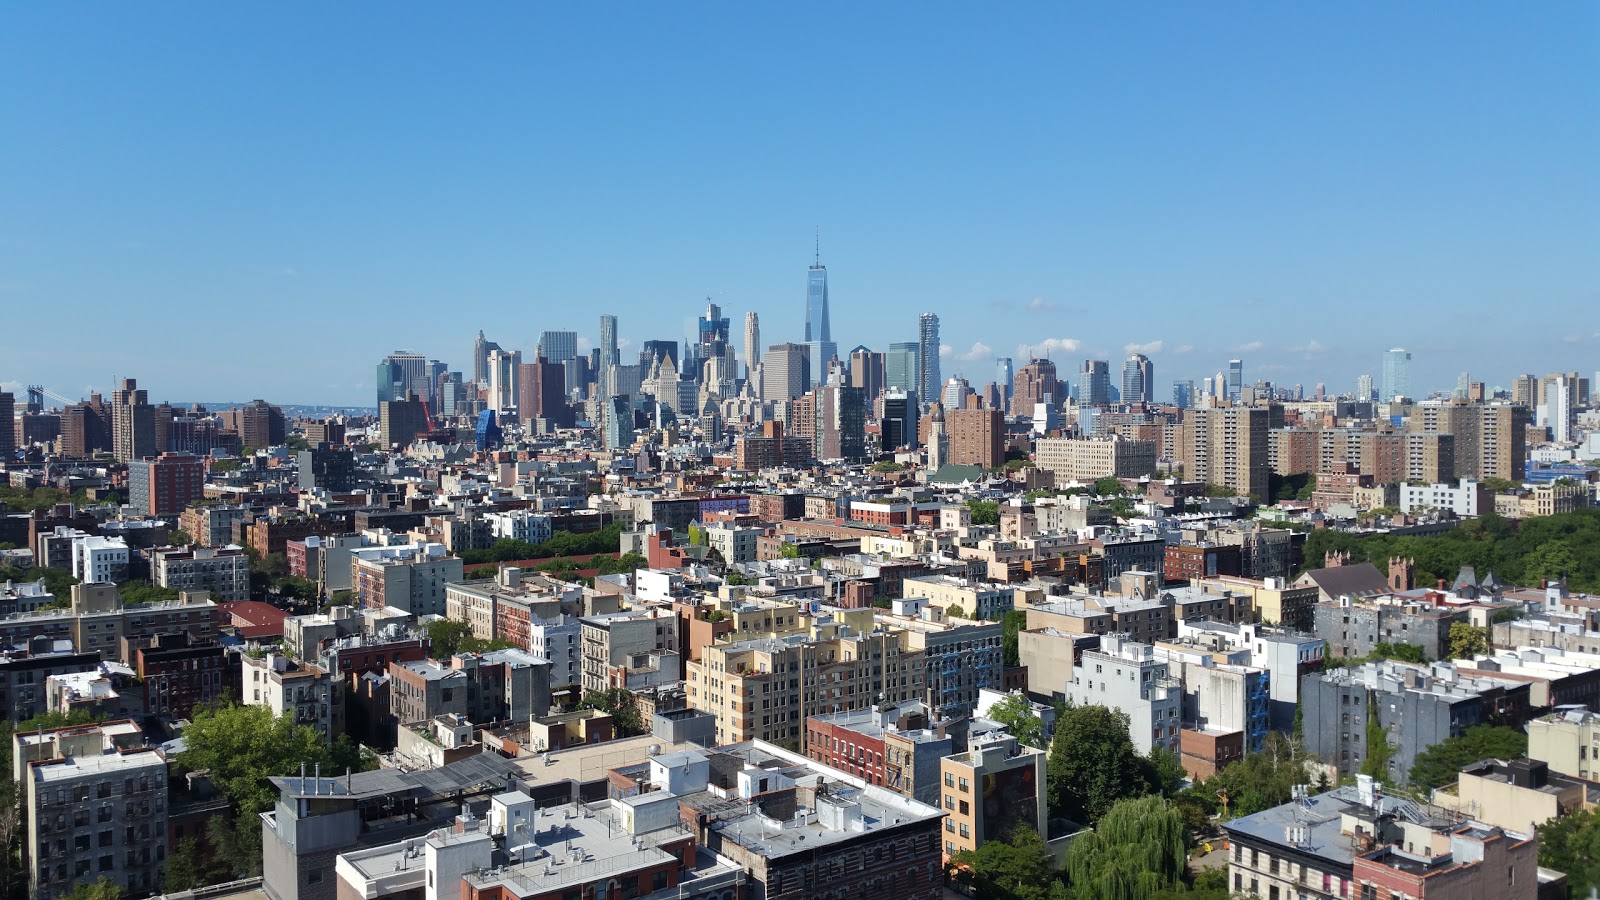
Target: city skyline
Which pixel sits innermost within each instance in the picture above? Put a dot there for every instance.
(1031, 197)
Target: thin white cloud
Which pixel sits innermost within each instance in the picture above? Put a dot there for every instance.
(624, 343)
(1183, 349)
(1147, 348)
(290, 273)
(1572, 338)
(979, 351)
(1252, 347)
(946, 351)
(584, 344)
(1040, 304)
(1048, 347)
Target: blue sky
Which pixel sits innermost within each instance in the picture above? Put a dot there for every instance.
(232, 201)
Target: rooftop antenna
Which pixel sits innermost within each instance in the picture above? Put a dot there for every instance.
(818, 260)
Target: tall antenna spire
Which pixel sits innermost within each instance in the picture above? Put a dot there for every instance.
(819, 246)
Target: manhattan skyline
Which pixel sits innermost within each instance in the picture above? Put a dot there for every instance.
(1193, 185)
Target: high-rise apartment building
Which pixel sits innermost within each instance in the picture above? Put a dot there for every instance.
(133, 423)
(1396, 374)
(928, 378)
(1138, 379)
(1488, 437)
(840, 431)
(1364, 389)
(8, 431)
(977, 437)
(1227, 446)
(1003, 376)
(166, 484)
(1033, 384)
(1235, 379)
(402, 371)
(1094, 383)
(752, 343)
(608, 356)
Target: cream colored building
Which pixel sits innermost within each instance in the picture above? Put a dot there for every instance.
(764, 688)
(1095, 458)
(1569, 741)
(1518, 794)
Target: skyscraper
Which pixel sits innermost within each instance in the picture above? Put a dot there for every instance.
(820, 353)
(1235, 379)
(1138, 379)
(866, 372)
(817, 328)
(558, 346)
(928, 378)
(784, 372)
(480, 359)
(1183, 394)
(402, 372)
(898, 426)
(900, 369)
(1396, 374)
(8, 433)
(1094, 383)
(1364, 388)
(608, 355)
(133, 423)
(752, 343)
(1002, 377)
(1035, 383)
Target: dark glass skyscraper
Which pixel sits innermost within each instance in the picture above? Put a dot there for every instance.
(929, 381)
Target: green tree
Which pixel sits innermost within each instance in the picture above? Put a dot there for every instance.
(180, 538)
(887, 466)
(1164, 771)
(1109, 487)
(1014, 621)
(1016, 868)
(955, 611)
(736, 578)
(984, 512)
(1441, 764)
(1259, 781)
(188, 866)
(102, 889)
(1467, 641)
(242, 747)
(789, 550)
(619, 703)
(1093, 764)
(1571, 844)
(1139, 847)
(1016, 713)
(445, 637)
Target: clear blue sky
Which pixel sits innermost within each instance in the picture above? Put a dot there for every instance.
(231, 201)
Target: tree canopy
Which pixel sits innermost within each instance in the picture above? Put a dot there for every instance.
(1441, 764)
(1013, 621)
(562, 543)
(1016, 713)
(1571, 844)
(1467, 640)
(447, 637)
(1017, 868)
(984, 512)
(1516, 552)
(1139, 847)
(619, 703)
(1093, 764)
